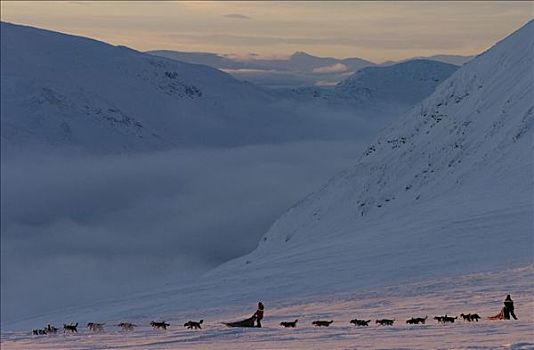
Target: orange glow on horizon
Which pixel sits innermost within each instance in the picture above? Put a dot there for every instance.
(377, 31)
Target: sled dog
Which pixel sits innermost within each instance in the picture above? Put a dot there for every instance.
(193, 324)
(322, 323)
(158, 325)
(360, 323)
(289, 324)
(70, 328)
(95, 327)
(385, 322)
(126, 326)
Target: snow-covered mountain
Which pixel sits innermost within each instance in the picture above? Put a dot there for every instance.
(387, 90)
(446, 189)
(66, 90)
(302, 61)
(206, 58)
(63, 91)
(404, 83)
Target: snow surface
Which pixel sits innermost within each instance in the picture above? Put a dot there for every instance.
(480, 293)
(405, 83)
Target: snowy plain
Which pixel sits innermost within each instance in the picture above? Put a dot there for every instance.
(474, 293)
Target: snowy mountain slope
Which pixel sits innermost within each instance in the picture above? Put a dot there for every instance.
(447, 189)
(404, 83)
(457, 60)
(387, 91)
(67, 90)
(206, 58)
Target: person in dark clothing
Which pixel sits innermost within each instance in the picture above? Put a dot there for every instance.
(258, 315)
(506, 311)
(508, 308)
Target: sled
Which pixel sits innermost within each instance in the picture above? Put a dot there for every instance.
(499, 316)
(249, 322)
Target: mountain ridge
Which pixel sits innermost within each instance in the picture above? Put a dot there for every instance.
(55, 86)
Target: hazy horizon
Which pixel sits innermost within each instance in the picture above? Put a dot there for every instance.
(377, 31)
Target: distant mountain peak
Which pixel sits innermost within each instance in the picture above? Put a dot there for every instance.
(300, 54)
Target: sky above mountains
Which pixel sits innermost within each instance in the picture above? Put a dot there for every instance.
(377, 31)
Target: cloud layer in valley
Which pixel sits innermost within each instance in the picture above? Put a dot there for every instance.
(84, 227)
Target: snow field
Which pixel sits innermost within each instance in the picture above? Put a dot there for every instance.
(482, 293)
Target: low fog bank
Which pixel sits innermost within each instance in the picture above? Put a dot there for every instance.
(76, 228)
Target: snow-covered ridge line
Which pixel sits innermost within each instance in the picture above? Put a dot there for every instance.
(67, 91)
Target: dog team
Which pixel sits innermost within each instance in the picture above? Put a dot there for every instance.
(99, 327)
(505, 313)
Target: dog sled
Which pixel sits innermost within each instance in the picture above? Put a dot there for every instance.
(499, 316)
(249, 322)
